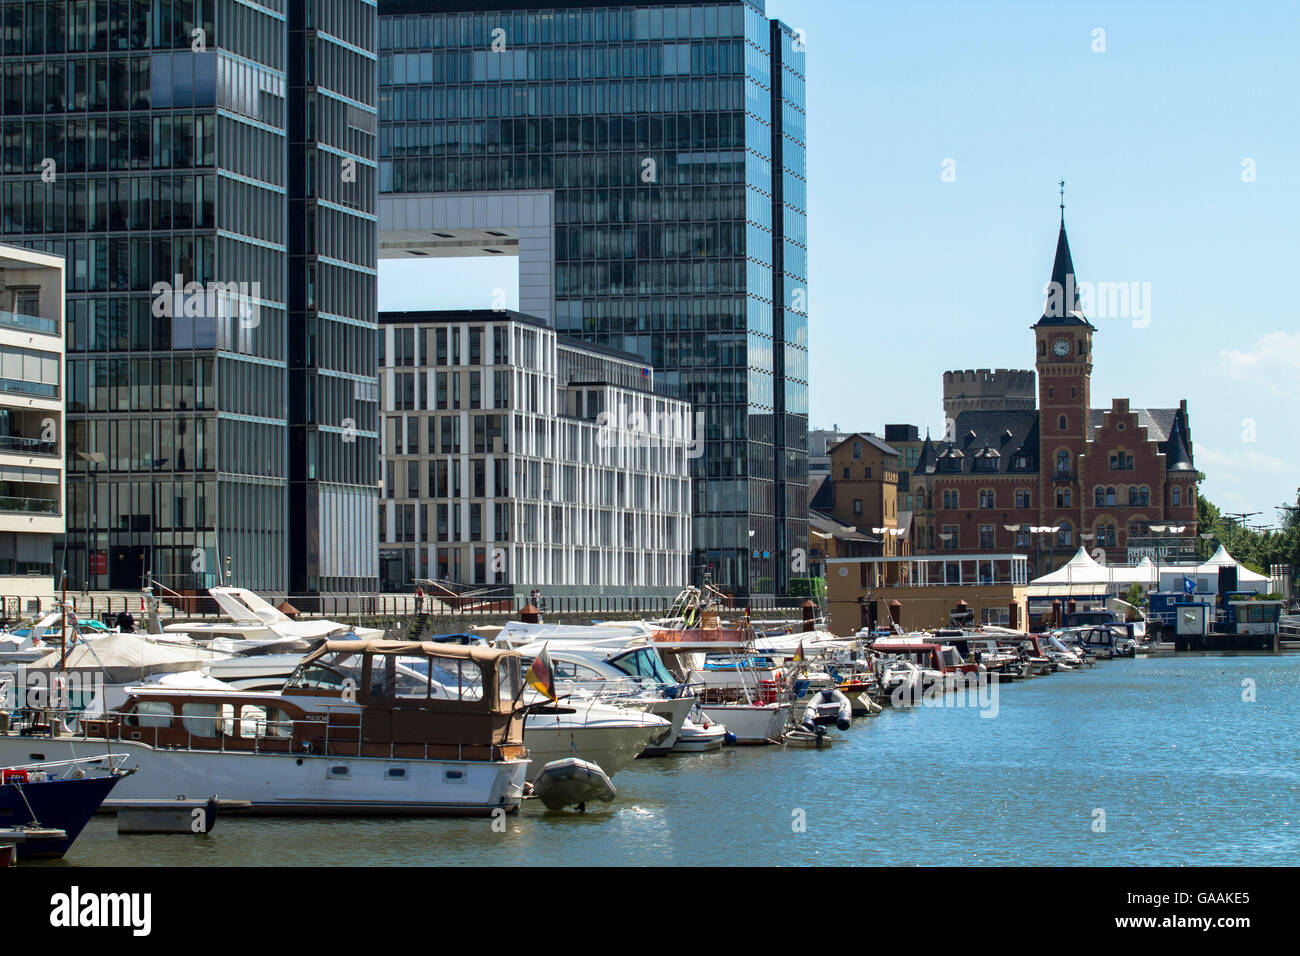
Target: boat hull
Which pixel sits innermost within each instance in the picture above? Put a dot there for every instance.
(750, 723)
(274, 783)
(610, 747)
(675, 711)
(62, 804)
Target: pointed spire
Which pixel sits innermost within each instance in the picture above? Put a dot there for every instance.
(927, 461)
(1063, 290)
(1178, 449)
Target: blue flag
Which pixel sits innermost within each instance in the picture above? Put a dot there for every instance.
(1189, 585)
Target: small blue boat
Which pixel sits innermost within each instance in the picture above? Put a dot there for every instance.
(41, 795)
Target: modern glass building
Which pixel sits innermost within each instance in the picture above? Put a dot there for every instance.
(184, 156)
(671, 140)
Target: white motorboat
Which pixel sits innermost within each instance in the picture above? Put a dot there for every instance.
(362, 728)
(624, 671)
(255, 624)
(698, 738)
(609, 736)
(750, 723)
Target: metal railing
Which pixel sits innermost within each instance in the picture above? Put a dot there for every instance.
(394, 609)
(40, 722)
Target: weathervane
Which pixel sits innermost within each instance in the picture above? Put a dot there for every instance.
(1062, 202)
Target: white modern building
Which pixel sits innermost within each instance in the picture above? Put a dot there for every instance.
(31, 425)
(518, 459)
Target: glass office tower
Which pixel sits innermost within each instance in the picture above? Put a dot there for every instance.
(333, 298)
(673, 137)
(149, 142)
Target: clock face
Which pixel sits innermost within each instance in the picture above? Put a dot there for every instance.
(1061, 347)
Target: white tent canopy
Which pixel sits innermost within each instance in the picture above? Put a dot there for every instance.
(1222, 559)
(1082, 576)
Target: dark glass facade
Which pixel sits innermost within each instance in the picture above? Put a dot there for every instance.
(333, 297)
(148, 142)
(673, 137)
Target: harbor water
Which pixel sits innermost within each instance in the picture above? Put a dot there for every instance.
(1154, 761)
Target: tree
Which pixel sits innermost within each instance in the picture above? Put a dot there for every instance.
(1258, 550)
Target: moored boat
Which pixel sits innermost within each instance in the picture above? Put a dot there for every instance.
(361, 728)
(56, 795)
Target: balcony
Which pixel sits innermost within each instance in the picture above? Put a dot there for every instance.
(28, 446)
(1063, 474)
(39, 389)
(44, 506)
(28, 323)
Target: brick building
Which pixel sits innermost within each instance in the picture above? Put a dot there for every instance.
(861, 491)
(1097, 477)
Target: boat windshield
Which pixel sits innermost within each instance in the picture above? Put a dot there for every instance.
(449, 678)
(643, 663)
(337, 671)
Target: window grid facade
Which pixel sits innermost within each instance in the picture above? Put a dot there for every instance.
(516, 458)
(673, 136)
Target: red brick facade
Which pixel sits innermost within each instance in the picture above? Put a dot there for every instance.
(1101, 477)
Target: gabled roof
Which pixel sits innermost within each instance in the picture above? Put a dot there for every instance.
(1167, 427)
(870, 440)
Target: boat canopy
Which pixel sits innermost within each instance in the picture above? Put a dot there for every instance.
(412, 670)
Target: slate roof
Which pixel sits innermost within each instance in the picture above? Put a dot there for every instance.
(1064, 279)
(999, 436)
(1002, 436)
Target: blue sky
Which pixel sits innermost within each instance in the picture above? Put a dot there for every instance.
(912, 275)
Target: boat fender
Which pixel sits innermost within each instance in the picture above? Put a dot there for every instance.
(729, 737)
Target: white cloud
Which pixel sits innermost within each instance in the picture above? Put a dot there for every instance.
(1273, 362)
(1224, 465)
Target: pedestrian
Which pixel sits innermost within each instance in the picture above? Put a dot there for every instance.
(419, 599)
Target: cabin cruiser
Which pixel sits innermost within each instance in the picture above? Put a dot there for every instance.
(624, 672)
(1100, 640)
(361, 728)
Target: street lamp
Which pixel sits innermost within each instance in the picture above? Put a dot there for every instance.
(98, 458)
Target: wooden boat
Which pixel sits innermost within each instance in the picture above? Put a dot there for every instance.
(361, 728)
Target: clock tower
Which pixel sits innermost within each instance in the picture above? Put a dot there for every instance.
(1063, 359)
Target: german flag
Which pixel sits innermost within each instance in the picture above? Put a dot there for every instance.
(798, 653)
(540, 676)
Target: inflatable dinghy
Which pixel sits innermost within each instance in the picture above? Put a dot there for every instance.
(572, 782)
(799, 737)
(828, 706)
